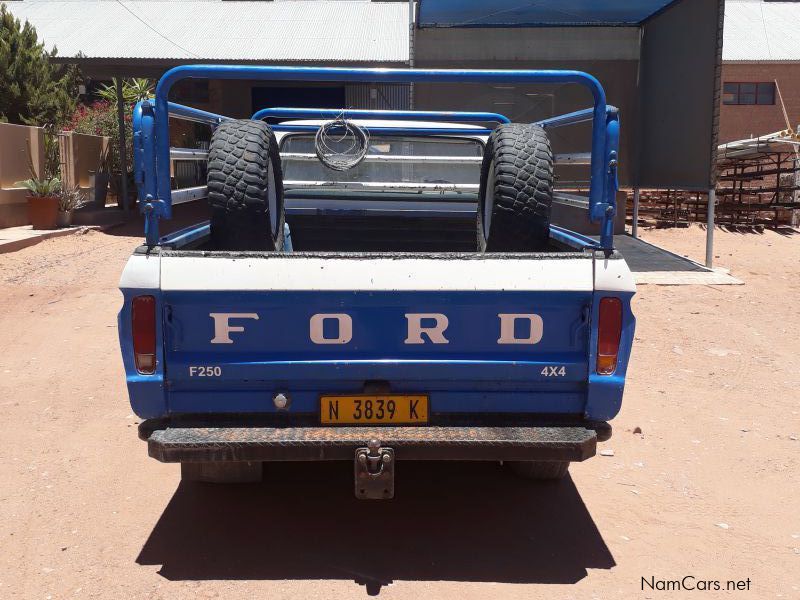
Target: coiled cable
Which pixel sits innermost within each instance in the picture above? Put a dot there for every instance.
(331, 144)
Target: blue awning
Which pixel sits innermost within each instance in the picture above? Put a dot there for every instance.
(536, 13)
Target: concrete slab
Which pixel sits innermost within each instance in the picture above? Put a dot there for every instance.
(685, 278)
(653, 265)
(16, 238)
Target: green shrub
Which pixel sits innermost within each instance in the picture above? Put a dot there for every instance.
(41, 187)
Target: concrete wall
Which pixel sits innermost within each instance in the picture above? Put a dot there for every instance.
(610, 54)
(739, 122)
(17, 144)
(234, 98)
(663, 76)
(80, 156)
(679, 88)
(527, 43)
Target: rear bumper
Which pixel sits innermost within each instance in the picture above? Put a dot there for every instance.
(248, 444)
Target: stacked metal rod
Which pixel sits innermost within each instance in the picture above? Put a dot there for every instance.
(759, 179)
(758, 185)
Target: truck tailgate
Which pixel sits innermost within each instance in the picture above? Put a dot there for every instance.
(504, 334)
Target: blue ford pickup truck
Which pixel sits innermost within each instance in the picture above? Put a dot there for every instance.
(374, 287)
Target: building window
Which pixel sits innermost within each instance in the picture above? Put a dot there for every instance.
(748, 93)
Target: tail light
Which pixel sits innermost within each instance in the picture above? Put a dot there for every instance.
(609, 329)
(143, 321)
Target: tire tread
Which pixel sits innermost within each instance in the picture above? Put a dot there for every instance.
(238, 165)
(523, 194)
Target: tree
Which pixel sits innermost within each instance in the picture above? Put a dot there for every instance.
(33, 89)
(133, 90)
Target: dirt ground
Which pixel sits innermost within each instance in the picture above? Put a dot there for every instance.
(709, 489)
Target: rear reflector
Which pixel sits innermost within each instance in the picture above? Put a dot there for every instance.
(143, 321)
(609, 329)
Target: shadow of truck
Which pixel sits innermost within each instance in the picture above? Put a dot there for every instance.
(449, 521)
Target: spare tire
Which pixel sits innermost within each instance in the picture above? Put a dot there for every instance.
(516, 191)
(245, 187)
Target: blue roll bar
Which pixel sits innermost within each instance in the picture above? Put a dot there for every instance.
(157, 199)
(187, 113)
(581, 116)
(400, 131)
(388, 115)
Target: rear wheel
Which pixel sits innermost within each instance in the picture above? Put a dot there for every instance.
(245, 187)
(516, 191)
(540, 469)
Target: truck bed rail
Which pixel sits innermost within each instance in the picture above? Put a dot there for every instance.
(151, 125)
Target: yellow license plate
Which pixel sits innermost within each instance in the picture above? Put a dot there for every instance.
(388, 408)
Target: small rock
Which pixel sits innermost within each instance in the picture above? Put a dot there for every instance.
(744, 430)
(638, 464)
(635, 492)
(677, 350)
(723, 525)
(626, 538)
(606, 452)
(793, 438)
(637, 430)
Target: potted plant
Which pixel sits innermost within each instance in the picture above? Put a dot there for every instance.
(43, 201)
(44, 185)
(69, 200)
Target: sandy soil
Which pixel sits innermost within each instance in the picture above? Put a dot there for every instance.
(708, 489)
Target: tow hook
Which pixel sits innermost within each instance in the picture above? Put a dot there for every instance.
(374, 470)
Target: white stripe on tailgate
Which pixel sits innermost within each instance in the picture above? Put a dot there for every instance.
(375, 274)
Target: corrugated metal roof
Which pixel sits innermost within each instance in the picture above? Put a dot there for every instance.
(761, 31)
(314, 30)
(278, 31)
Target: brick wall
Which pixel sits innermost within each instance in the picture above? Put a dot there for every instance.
(738, 122)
